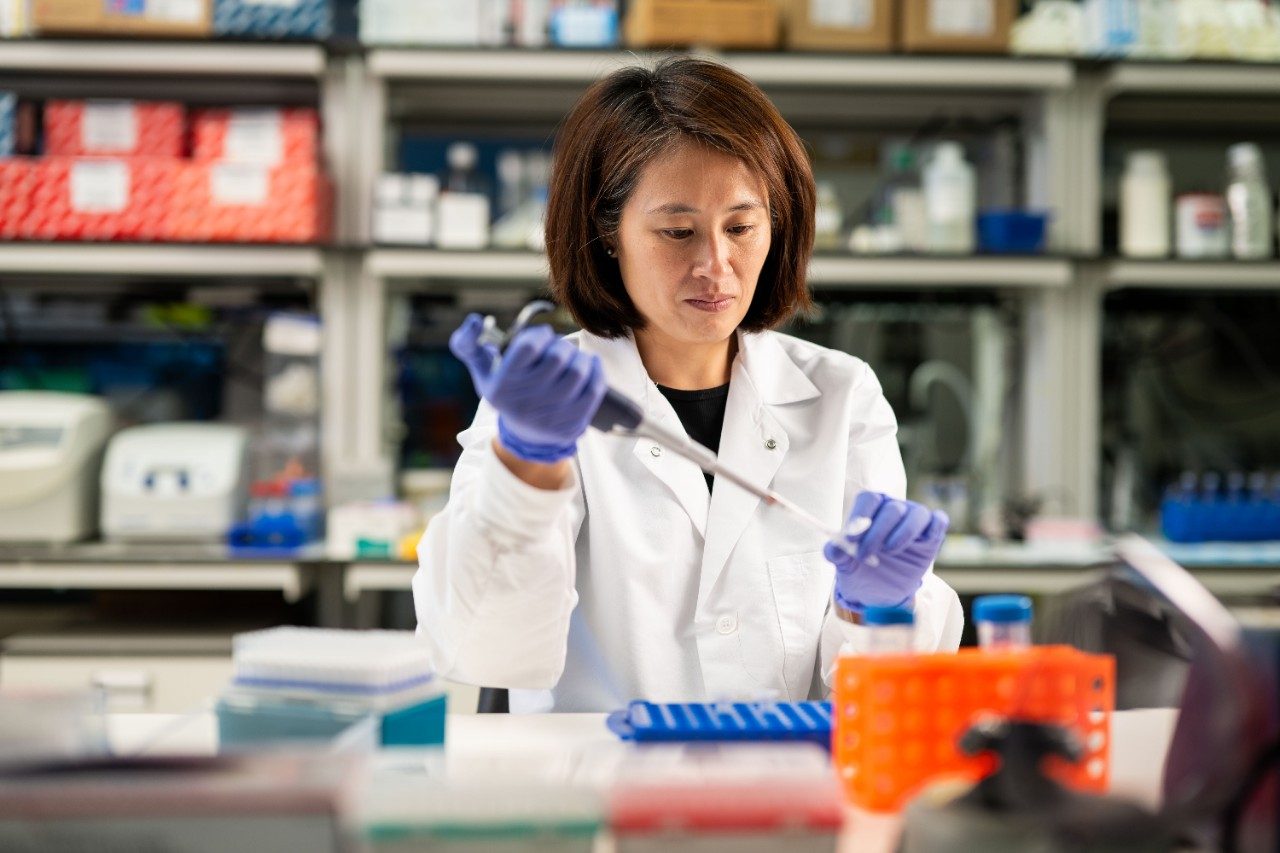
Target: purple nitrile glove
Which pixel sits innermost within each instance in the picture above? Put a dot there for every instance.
(896, 543)
(545, 389)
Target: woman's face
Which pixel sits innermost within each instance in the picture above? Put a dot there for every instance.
(692, 240)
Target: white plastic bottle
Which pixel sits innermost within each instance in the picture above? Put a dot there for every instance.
(1249, 200)
(950, 201)
(463, 208)
(1144, 206)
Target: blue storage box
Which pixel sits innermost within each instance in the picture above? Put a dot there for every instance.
(1012, 232)
(8, 123)
(299, 19)
(734, 722)
(245, 720)
(1245, 518)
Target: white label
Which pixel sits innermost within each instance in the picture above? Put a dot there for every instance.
(99, 186)
(254, 136)
(109, 127)
(243, 184)
(463, 221)
(962, 17)
(176, 11)
(854, 14)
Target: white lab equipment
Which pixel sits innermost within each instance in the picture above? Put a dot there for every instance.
(50, 449)
(369, 529)
(1145, 194)
(175, 481)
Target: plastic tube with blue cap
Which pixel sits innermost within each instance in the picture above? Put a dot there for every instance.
(1004, 622)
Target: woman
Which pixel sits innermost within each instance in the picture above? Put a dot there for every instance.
(584, 569)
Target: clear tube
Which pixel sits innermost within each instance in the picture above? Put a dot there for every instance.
(891, 639)
(1004, 636)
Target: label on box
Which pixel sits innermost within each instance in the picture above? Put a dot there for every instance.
(99, 186)
(254, 136)
(177, 11)
(109, 126)
(852, 14)
(962, 17)
(240, 184)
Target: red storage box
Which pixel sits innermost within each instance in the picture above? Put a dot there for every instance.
(251, 203)
(100, 199)
(269, 136)
(116, 128)
(15, 195)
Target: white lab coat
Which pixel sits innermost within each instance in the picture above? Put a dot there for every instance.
(633, 582)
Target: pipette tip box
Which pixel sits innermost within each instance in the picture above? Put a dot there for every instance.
(315, 684)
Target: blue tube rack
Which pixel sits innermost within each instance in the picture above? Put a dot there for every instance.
(724, 722)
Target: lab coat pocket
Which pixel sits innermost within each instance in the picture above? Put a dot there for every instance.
(802, 586)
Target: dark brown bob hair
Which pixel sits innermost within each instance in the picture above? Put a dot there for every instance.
(619, 126)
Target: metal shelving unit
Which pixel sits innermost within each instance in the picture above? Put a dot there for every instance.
(213, 59)
(1062, 104)
(160, 259)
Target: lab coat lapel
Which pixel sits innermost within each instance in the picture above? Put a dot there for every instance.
(626, 373)
(753, 442)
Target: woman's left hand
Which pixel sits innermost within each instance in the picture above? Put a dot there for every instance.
(896, 543)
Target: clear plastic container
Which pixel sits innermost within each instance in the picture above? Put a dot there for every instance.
(892, 630)
(1004, 622)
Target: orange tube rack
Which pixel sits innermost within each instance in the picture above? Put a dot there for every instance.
(898, 718)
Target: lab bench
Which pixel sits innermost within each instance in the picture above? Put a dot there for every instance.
(559, 749)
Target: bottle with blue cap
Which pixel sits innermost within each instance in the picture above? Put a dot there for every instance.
(1004, 622)
(891, 630)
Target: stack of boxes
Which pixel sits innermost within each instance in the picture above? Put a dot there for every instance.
(255, 176)
(116, 170)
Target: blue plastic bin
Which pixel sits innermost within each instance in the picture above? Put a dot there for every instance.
(1012, 232)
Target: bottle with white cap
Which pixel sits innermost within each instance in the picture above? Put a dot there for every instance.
(463, 207)
(1004, 622)
(891, 630)
(1249, 200)
(950, 200)
(1145, 192)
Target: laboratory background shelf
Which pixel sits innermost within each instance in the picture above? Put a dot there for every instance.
(134, 57)
(1062, 102)
(161, 259)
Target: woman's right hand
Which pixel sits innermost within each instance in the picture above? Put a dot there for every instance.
(545, 389)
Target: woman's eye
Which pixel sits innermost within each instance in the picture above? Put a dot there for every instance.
(677, 233)
(741, 229)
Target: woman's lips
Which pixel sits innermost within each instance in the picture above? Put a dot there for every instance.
(712, 305)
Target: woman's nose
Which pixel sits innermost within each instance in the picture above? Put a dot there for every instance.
(713, 257)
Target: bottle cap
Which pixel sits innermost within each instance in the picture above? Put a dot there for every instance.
(462, 155)
(1002, 608)
(1244, 155)
(1146, 161)
(888, 616)
(949, 152)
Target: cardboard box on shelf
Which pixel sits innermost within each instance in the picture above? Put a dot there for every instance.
(172, 18)
(15, 195)
(744, 24)
(114, 128)
(957, 26)
(251, 203)
(852, 25)
(126, 199)
(266, 136)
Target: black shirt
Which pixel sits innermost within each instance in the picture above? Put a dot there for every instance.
(702, 414)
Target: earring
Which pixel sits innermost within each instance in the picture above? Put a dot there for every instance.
(611, 252)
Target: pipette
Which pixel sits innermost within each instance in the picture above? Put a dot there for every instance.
(620, 415)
